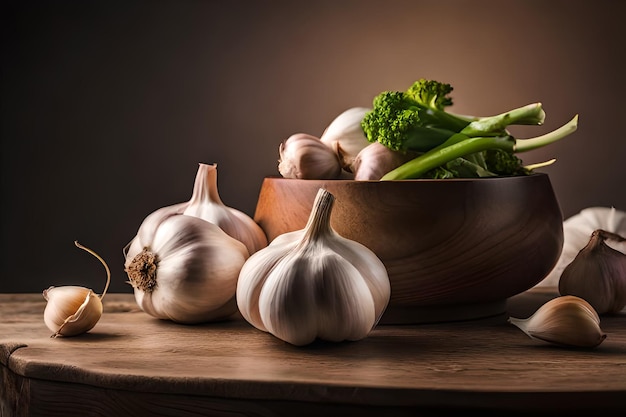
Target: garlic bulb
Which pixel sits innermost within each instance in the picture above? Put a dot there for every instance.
(183, 268)
(598, 274)
(305, 157)
(73, 310)
(375, 160)
(576, 232)
(566, 321)
(314, 283)
(345, 135)
(206, 204)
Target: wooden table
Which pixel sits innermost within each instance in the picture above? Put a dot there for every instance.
(133, 365)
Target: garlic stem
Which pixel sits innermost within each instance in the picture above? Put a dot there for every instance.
(205, 186)
(106, 267)
(600, 235)
(319, 220)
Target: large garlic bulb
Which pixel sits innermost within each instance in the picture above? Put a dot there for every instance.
(314, 283)
(576, 232)
(305, 157)
(183, 268)
(345, 135)
(206, 204)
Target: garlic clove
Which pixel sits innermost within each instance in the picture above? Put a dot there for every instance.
(597, 274)
(567, 320)
(375, 160)
(206, 204)
(73, 310)
(304, 156)
(576, 232)
(345, 133)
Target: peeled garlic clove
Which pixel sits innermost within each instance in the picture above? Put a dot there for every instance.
(375, 160)
(567, 320)
(206, 204)
(314, 283)
(304, 156)
(597, 274)
(345, 133)
(73, 310)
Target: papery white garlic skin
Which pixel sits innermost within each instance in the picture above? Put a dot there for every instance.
(375, 160)
(314, 283)
(304, 156)
(71, 310)
(576, 232)
(205, 203)
(567, 320)
(184, 269)
(345, 135)
(597, 274)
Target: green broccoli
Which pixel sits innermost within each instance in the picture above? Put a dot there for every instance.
(458, 147)
(416, 120)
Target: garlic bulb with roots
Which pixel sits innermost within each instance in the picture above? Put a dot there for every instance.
(206, 204)
(314, 283)
(72, 310)
(183, 268)
(576, 232)
(375, 160)
(345, 136)
(304, 156)
(598, 274)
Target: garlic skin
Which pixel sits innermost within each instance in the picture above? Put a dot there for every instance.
(345, 135)
(304, 156)
(598, 274)
(206, 204)
(73, 310)
(576, 232)
(375, 160)
(183, 268)
(567, 321)
(313, 283)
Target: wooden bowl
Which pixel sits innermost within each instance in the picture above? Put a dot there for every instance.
(454, 249)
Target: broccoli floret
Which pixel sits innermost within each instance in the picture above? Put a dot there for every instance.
(401, 123)
(431, 94)
(503, 163)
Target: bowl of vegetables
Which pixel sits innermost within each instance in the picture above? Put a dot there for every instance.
(453, 249)
(445, 202)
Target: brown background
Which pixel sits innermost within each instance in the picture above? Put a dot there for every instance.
(108, 106)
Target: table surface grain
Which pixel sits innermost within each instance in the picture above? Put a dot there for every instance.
(485, 364)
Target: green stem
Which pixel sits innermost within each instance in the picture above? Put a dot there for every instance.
(458, 147)
(532, 114)
(524, 145)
